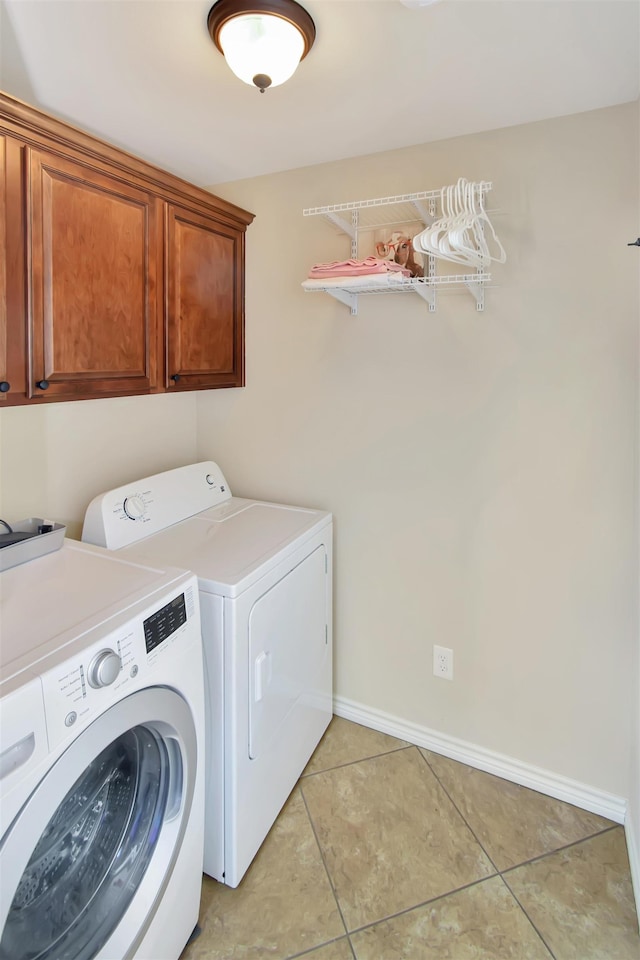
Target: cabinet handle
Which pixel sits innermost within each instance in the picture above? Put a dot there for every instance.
(5, 386)
(42, 384)
(175, 377)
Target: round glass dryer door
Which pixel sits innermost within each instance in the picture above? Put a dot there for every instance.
(101, 839)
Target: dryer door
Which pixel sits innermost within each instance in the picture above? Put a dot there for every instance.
(288, 647)
(86, 860)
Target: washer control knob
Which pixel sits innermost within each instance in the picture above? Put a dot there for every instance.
(104, 668)
(135, 507)
(210, 479)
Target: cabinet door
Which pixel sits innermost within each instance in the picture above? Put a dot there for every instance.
(95, 259)
(205, 302)
(12, 285)
(4, 374)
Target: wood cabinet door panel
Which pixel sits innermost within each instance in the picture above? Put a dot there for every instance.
(4, 370)
(93, 281)
(205, 310)
(13, 327)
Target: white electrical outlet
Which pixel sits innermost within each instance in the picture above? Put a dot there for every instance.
(442, 662)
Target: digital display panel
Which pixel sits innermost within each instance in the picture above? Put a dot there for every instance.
(164, 622)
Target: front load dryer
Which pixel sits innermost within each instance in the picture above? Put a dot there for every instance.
(264, 573)
(101, 758)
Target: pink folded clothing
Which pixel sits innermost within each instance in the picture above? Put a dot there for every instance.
(355, 268)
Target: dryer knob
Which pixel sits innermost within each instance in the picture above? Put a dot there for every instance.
(135, 507)
(104, 668)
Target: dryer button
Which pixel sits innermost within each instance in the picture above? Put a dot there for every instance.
(70, 719)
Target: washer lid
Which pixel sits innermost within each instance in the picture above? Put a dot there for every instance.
(230, 546)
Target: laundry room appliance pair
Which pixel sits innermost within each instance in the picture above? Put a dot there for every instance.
(101, 758)
(265, 579)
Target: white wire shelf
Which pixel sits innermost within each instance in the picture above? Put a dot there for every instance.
(425, 287)
(422, 208)
(385, 211)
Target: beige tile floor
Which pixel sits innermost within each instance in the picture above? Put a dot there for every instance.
(386, 851)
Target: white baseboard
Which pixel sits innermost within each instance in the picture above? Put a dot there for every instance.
(561, 788)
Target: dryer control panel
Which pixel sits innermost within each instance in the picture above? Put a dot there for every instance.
(130, 513)
(119, 662)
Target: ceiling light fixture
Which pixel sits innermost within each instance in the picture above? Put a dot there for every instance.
(263, 41)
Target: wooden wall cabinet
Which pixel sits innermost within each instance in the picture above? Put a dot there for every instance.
(116, 278)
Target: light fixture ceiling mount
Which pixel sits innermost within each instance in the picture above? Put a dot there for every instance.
(263, 41)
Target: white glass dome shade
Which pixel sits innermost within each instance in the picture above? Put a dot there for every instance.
(256, 45)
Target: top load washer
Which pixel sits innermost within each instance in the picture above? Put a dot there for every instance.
(101, 758)
(265, 579)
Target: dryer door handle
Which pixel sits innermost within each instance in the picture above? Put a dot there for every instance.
(261, 675)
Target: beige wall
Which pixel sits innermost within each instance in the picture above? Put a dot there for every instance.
(56, 458)
(480, 467)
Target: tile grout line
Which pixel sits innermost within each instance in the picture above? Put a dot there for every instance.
(319, 946)
(339, 766)
(406, 745)
(523, 863)
(517, 866)
(444, 896)
(460, 813)
(528, 917)
(424, 903)
(391, 916)
(498, 873)
(326, 868)
(352, 763)
(543, 856)
(566, 846)
(495, 866)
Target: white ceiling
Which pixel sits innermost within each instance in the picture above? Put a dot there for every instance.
(144, 75)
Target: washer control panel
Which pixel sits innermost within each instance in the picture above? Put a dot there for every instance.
(119, 662)
(128, 514)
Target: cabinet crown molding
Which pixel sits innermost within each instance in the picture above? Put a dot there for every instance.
(39, 128)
